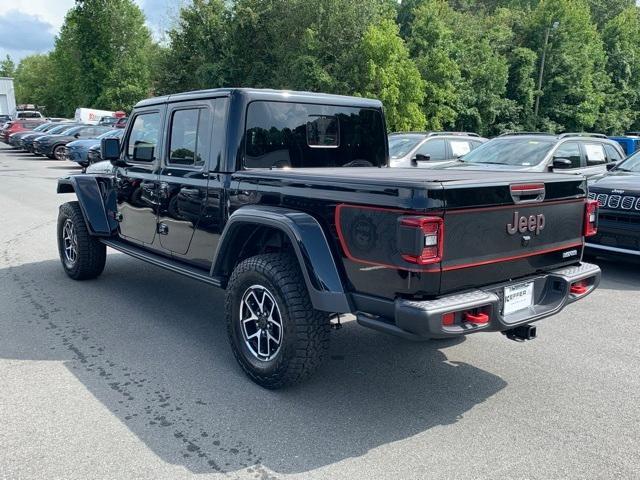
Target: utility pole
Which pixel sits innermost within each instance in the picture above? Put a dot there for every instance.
(541, 73)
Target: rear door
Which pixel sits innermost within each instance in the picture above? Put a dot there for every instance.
(182, 188)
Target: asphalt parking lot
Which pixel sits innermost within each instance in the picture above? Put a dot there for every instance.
(111, 379)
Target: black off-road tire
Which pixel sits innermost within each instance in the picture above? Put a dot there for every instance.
(305, 339)
(91, 254)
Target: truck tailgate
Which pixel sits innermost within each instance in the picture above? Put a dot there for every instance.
(526, 233)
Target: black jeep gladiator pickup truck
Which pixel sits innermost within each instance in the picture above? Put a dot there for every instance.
(285, 199)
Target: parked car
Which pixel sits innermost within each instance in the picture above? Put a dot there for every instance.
(630, 143)
(26, 138)
(121, 122)
(579, 153)
(15, 126)
(424, 149)
(56, 128)
(618, 196)
(15, 139)
(78, 150)
(22, 114)
(281, 199)
(53, 146)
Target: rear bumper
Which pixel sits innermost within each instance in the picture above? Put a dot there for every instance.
(418, 320)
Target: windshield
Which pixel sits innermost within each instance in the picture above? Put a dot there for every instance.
(400, 145)
(631, 164)
(60, 129)
(41, 128)
(108, 134)
(525, 152)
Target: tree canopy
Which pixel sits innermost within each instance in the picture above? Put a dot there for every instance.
(435, 64)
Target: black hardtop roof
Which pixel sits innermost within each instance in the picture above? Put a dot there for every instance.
(264, 94)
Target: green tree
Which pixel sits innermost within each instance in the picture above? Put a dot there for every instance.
(198, 44)
(101, 57)
(7, 67)
(31, 79)
(574, 82)
(622, 41)
(431, 41)
(385, 71)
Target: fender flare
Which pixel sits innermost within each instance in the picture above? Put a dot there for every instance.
(309, 243)
(95, 203)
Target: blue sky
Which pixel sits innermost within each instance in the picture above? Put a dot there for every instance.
(30, 26)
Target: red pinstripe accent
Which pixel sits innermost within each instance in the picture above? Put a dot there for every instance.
(511, 258)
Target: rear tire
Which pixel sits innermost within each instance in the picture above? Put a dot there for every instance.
(276, 335)
(83, 256)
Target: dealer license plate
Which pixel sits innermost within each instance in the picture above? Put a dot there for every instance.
(517, 297)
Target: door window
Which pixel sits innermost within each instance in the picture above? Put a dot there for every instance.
(570, 151)
(188, 145)
(595, 154)
(144, 137)
(436, 149)
(612, 153)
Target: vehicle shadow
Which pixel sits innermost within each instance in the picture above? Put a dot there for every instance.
(151, 346)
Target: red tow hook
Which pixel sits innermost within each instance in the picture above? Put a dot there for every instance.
(478, 318)
(579, 288)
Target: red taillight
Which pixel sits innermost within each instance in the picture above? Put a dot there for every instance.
(591, 218)
(429, 244)
(448, 319)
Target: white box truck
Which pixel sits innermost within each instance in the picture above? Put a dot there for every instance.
(91, 116)
(7, 97)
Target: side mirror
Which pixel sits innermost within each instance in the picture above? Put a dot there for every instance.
(419, 157)
(143, 153)
(612, 165)
(77, 135)
(110, 149)
(562, 163)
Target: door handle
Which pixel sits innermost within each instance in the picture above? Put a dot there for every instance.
(190, 191)
(163, 229)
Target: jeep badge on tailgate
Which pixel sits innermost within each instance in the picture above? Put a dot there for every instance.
(532, 223)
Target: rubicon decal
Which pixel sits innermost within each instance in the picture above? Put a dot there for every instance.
(522, 224)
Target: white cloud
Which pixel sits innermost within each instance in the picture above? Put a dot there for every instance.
(40, 21)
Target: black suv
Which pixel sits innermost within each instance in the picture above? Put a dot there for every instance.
(618, 195)
(424, 149)
(580, 153)
(285, 200)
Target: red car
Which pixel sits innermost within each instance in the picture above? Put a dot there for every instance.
(18, 126)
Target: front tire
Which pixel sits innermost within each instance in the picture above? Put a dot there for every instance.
(83, 256)
(275, 334)
(58, 152)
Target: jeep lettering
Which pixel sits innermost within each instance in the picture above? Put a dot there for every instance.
(532, 223)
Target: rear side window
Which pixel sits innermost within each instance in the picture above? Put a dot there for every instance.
(145, 134)
(460, 147)
(595, 154)
(188, 145)
(612, 153)
(570, 151)
(297, 135)
(436, 149)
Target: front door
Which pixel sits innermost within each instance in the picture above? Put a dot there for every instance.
(182, 188)
(136, 182)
